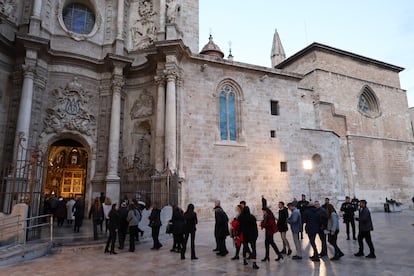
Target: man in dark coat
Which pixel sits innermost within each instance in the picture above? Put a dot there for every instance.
(221, 230)
(301, 205)
(123, 224)
(365, 228)
(322, 228)
(312, 219)
(78, 212)
(349, 216)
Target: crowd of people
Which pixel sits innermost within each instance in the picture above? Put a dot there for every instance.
(314, 219)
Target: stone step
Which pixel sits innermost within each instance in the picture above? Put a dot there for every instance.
(14, 254)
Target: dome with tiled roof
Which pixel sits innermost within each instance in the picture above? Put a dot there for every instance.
(211, 49)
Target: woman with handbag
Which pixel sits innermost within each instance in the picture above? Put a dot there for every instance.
(236, 234)
(133, 221)
(190, 221)
(177, 229)
(113, 227)
(333, 230)
(270, 226)
(155, 224)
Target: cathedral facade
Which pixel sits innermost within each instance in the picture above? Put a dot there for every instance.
(106, 89)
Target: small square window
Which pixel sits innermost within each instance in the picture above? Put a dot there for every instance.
(274, 108)
(283, 166)
(273, 133)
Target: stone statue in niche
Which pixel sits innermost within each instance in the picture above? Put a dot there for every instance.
(8, 8)
(142, 143)
(70, 111)
(173, 10)
(142, 106)
(144, 30)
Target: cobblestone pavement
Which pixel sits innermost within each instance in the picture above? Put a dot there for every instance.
(393, 238)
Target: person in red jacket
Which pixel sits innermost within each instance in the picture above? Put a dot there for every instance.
(270, 226)
(236, 234)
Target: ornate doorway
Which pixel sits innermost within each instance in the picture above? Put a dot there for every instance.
(67, 169)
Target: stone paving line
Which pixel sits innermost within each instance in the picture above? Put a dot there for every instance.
(393, 238)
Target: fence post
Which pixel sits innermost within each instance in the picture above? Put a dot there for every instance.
(51, 229)
(24, 237)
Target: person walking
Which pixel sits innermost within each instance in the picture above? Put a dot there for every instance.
(270, 226)
(236, 234)
(283, 227)
(221, 230)
(177, 220)
(248, 227)
(96, 213)
(333, 230)
(190, 222)
(113, 227)
(106, 207)
(313, 223)
(323, 225)
(69, 210)
(61, 212)
(349, 216)
(132, 219)
(365, 228)
(301, 205)
(123, 224)
(295, 222)
(79, 212)
(155, 224)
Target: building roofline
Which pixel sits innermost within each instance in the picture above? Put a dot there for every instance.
(325, 48)
(248, 66)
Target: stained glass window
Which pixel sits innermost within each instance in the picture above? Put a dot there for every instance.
(228, 115)
(78, 18)
(368, 103)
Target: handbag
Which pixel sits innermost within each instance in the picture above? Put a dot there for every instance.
(169, 229)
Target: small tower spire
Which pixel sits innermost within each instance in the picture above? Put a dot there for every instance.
(230, 57)
(278, 53)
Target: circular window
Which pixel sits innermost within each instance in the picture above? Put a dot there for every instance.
(316, 159)
(78, 18)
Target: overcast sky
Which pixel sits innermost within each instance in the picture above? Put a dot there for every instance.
(379, 29)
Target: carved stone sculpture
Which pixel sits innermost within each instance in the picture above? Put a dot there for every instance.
(142, 106)
(8, 8)
(70, 111)
(144, 30)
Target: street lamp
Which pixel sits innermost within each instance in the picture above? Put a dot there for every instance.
(307, 166)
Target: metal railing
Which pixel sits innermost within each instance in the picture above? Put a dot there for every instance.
(19, 229)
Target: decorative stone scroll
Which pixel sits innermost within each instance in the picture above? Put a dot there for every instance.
(70, 111)
(144, 29)
(142, 106)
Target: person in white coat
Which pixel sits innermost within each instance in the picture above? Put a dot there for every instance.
(106, 206)
(69, 214)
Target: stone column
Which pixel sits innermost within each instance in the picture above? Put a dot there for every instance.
(37, 8)
(112, 177)
(34, 28)
(120, 19)
(25, 110)
(160, 124)
(171, 121)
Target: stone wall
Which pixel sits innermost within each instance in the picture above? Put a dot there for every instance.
(251, 167)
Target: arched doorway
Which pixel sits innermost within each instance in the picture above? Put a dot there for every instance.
(66, 169)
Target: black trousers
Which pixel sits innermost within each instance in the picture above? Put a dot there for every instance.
(155, 235)
(95, 223)
(332, 238)
(352, 222)
(132, 232)
(222, 245)
(269, 241)
(367, 236)
(322, 237)
(122, 235)
(312, 237)
(111, 240)
(246, 249)
(192, 245)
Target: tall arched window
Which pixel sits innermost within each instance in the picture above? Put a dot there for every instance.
(229, 97)
(368, 103)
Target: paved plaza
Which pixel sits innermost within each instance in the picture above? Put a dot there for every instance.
(393, 239)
